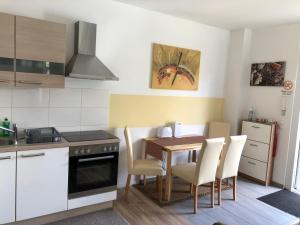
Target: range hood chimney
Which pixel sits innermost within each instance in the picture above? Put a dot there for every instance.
(84, 64)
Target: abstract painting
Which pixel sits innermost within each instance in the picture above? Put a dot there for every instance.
(267, 74)
(175, 68)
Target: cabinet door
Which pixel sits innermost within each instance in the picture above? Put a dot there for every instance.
(42, 178)
(7, 187)
(40, 40)
(7, 49)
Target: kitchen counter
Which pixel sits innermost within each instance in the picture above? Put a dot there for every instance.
(63, 143)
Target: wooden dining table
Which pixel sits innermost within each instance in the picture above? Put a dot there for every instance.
(156, 146)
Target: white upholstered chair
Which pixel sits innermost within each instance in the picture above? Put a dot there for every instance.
(229, 163)
(147, 167)
(204, 170)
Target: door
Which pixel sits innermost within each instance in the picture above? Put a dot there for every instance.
(42, 178)
(7, 49)
(7, 187)
(40, 53)
(92, 174)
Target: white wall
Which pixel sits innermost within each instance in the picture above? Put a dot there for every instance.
(280, 43)
(124, 43)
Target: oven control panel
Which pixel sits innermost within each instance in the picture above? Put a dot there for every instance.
(93, 149)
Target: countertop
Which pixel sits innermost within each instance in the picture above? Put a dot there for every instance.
(63, 143)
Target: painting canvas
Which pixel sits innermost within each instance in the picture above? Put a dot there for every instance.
(267, 74)
(175, 68)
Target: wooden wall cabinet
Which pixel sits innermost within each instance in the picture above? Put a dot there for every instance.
(257, 157)
(32, 52)
(7, 49)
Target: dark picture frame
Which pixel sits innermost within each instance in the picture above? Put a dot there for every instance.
(268, 74)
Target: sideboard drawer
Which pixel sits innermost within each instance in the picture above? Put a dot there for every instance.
(253, 168)
(257, 132)
(256, 150)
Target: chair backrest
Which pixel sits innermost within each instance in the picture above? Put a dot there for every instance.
(229, 164)
(219, 129)
(129, 148)
(208, 161)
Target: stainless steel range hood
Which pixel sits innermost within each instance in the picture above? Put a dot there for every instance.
(84, 64)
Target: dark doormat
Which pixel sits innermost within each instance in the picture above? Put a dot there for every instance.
(284, 200)
(180, 190)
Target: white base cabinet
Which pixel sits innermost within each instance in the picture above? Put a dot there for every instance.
(42, 182)
(7, 187)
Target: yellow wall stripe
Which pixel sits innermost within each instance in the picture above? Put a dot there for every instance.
(147, 111)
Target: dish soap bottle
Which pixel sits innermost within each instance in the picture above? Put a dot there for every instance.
(6, 124)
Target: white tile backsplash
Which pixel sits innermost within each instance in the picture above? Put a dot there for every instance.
(94, 116)
(38, 97)
(30, 117)
(5, 112)
(94, 98)
(62, 117)
(69, 109)
(68, 97)
(5, 97)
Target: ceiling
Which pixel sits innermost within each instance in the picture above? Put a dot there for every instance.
(229, 14)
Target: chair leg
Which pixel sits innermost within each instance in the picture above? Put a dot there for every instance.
(212, 194)
(145, 180)
(127, 185)
(234, 187)
(219, 184)
(195, 187)
(159, 181)
(191, 189)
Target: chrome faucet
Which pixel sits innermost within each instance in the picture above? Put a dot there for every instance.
(14, 131)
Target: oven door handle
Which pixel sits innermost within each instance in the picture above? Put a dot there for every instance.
(96, 158)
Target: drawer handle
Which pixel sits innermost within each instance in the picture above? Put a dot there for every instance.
(5, 157)
(255, 126)
(4, 81)
(253, 145)
(32, 155)
(252, 163)
(29, 82)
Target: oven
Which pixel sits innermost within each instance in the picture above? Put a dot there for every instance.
(93, 169)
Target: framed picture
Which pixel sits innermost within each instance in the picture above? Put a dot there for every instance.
(175, 68)
(267, 74)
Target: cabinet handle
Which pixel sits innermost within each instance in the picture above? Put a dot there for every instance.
(5, 157)
(30, 82)
(253, 145)
(252, 163)
(255, 126)
(32, 155)
(4, 81)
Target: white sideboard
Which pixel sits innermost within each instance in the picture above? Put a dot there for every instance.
(257, 157)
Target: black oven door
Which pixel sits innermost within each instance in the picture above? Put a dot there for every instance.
(92, 174)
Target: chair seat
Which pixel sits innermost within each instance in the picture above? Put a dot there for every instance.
(147, 167)
(185, 171)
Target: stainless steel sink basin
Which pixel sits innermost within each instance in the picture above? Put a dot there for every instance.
(6, 141)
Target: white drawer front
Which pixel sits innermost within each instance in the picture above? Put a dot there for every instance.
(257, 132)
(253, 168)
(256, 150)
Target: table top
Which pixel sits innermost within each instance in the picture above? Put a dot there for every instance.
(177, 144)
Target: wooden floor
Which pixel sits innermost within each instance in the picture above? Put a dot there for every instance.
(247, 210)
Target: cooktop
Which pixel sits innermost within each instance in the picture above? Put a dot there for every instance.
(91, 135)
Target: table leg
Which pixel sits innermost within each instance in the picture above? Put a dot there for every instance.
(194, 156)
(168, 176)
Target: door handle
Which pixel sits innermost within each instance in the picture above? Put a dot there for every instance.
(96, 158)
(5, 157)
(252, 163)
(29, 82)
(4, 81)
(32, 155)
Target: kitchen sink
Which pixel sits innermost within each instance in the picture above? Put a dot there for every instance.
(6, 141)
